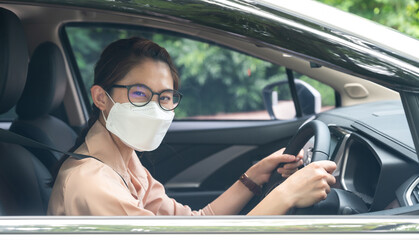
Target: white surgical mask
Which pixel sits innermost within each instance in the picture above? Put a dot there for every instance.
(141, 128)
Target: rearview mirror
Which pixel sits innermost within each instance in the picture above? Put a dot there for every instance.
(278, 100)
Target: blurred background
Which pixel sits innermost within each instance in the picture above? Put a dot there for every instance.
(402, 15)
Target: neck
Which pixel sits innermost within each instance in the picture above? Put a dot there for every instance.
(126, 152)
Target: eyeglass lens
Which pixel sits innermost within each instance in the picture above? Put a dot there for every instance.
(140, 95)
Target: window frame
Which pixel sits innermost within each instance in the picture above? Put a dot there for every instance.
(83, 92)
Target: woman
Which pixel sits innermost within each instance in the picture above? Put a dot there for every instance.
(134, 94)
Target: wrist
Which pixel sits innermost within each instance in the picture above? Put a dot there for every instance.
(276, 202)
(288, 200)
(252, 175)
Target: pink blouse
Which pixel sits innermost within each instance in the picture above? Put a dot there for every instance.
(91, 187)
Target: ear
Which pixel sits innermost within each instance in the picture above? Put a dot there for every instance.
(100, 99)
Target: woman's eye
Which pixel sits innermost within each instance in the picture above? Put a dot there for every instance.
(165, 98)
(137, 94)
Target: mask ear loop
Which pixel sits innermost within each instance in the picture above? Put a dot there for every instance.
(113, 103)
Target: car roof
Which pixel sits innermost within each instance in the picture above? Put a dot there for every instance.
(270, 26)
(346, 23)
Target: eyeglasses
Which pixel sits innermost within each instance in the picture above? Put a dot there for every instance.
(140, 95)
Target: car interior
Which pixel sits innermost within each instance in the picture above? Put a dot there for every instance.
(377, 163)
(23, 180)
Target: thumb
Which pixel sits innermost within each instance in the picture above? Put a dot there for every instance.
(328, 165)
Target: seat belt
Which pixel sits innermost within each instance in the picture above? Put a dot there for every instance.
(14, 138)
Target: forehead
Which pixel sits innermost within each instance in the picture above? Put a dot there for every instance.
(154, 74)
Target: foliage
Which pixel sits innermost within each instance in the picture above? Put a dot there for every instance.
(218, 80)
(402, 15)
(327, 93)
(214, 79)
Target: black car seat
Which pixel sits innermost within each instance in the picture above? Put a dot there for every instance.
(24, 179)
(44, 92)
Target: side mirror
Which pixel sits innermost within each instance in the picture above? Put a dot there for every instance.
(275, 93)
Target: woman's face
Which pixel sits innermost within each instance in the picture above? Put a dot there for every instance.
(154, 74)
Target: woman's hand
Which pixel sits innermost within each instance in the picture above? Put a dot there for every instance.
(309, 185)
(303, 189)
(261, 171)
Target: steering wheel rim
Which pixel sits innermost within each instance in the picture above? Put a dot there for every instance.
(320, 151)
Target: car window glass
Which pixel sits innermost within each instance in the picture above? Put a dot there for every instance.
(327, 93)
(217, 83)
(314, 97)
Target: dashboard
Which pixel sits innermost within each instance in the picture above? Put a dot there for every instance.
(358, 166)
(373, 164)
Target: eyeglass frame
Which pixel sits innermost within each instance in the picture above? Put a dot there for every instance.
(128, 87)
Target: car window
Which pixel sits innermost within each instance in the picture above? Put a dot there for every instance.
(327, 93)
(217, 83)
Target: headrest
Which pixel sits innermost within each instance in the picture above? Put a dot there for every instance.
(13, 59)
(46, 82)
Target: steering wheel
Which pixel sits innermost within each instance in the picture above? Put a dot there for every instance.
(320, 150)
(338, 201)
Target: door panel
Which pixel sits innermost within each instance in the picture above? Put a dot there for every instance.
(197, 161)
(195, 175)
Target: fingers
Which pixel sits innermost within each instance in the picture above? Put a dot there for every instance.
(293, 165)
(329, 166)
(289, 168)
(278, 153)
(324, 170)
(327, 188)
(281, 151)
(301, 154)
(286, 158)
(330, 179)
(282, 160)
(278, 157)
(310, 184)
(286, 173)
(326, 182)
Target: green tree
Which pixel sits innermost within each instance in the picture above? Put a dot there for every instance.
(213, 79)
(402, 15)
(216, 79)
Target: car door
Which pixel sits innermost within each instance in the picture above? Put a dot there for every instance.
(236, 109)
